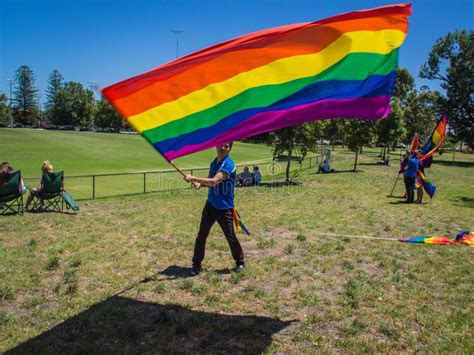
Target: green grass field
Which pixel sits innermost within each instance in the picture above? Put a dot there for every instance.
(111, 278)
(85, 153)
(82, 153)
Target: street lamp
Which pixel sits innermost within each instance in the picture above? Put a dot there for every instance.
(92, 84)
(11, 81)
(177, 32)
(38, 98)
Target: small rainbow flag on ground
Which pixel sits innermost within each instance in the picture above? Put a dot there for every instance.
(438, 239)
(463, 237)
(340, 67)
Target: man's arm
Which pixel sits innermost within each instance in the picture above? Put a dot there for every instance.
(220, 176)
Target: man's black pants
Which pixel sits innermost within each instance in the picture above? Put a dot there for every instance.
(409, 183)
(210, 215)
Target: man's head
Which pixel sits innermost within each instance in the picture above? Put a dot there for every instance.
(246, 169)
(224, 149)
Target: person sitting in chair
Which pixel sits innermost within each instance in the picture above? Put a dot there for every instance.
(6, 172)
(325, 168)
(46, 167)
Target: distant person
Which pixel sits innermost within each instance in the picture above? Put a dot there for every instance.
(245, 178)
(325, 168)
(409, 174)
(257, 177)
(46, 167)
(421, 168)
(6, 173)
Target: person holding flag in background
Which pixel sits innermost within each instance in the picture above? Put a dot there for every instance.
(421, 172)
(425, 157)
(410, 175)
(219, 207)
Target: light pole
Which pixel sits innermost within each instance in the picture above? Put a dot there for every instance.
(10, 100)
(91, 85)
(39, 109)
(177, 32)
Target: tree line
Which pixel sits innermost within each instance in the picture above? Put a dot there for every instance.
(67, 104)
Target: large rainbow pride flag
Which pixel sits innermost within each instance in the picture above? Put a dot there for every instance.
(340, 67)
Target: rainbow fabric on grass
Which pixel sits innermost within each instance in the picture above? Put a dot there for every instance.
(463, 237)
(438, 240)
(340, 67)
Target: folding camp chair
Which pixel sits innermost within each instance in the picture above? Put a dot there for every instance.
(11, 195)
(50, 193)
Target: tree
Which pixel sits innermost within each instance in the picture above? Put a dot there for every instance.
(334, 131)
(55, 83)
(404, 86)
(358, 133)
(106, 116)
(25, 108)
(290, 140)
(5, 112)
(391, 129)
(421, 113)
(74, 105)
(451, 61)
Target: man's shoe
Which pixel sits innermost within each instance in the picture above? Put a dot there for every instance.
(196, 269)
(418, 202)
(239, 267)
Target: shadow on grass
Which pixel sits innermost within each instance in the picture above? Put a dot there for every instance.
(461, 164)
(404, 202)
(176, 272)
(122, 325)
(469, 202)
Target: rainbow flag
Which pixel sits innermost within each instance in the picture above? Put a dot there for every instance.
(422, 182)
(239, 225)
(437, 239)
(339, 67)
(435, 141)
(415, 142)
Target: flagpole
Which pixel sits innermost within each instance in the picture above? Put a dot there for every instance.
(393, 189)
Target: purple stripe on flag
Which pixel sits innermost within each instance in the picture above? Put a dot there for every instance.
(361, 108)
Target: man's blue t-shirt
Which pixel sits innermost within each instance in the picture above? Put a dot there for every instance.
(221, 196)
(412, 168)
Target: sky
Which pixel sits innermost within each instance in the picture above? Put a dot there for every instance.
(106, 41)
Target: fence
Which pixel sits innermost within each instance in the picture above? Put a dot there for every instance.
(84, 187)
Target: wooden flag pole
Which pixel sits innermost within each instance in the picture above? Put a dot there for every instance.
(393, 189)
(176, 168)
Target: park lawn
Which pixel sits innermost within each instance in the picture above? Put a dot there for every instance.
(109, 279)
(83, 153)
